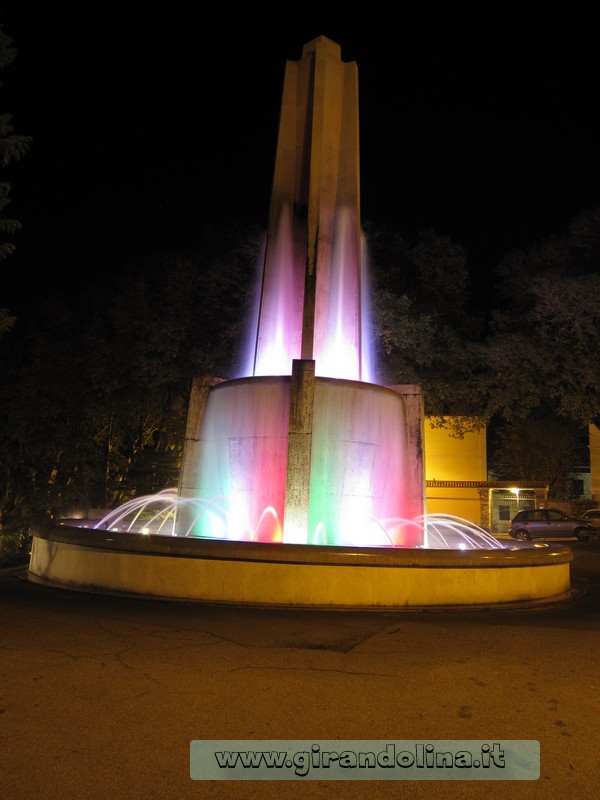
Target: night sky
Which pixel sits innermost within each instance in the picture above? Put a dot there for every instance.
(149, 122)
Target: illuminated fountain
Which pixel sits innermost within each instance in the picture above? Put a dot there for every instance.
(302, 480)
(306, 448)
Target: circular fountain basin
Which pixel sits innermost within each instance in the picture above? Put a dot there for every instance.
(287, 575)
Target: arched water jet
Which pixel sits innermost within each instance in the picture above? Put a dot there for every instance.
(156, 515)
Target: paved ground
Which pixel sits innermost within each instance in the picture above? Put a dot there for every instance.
(100, 697)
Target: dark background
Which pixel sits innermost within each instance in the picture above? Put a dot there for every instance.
(149, 122)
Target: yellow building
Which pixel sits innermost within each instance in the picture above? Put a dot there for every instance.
(594, 441)
(457, 484)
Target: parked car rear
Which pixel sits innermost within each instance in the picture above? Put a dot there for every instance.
(550, 523)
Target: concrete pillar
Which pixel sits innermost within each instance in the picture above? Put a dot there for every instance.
(414, 422)
(297, 492)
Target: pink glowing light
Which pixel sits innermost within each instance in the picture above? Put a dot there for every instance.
(342, 316)
(279, 331)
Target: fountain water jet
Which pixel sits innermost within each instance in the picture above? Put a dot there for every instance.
(309, 433)
(156, 514)
(302, 483)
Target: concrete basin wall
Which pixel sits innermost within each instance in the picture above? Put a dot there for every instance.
(249, 573)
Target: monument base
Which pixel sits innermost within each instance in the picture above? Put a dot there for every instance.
(282, 575)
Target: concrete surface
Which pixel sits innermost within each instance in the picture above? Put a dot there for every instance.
(101, 696)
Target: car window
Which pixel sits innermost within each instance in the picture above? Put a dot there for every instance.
(537, 515)
(554, 516)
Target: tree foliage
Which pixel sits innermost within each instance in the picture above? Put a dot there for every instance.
(546, 332)
(12, 147)
(425, 333)
(541, 447)
(94, 401)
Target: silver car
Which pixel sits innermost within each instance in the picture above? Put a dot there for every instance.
(550, 523)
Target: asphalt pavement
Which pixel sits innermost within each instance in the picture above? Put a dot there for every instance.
(100, 697)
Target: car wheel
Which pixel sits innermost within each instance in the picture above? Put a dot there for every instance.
(522, 535)
(582, 535)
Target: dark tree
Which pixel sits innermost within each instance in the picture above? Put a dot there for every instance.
(541, 447)
(546, 333)
(425, 332)
(12, 147)
(13, 534)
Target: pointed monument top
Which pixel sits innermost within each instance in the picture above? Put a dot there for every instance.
(322, 42)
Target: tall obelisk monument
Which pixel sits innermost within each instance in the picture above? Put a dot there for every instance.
(308, 449)
(311, 295)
